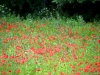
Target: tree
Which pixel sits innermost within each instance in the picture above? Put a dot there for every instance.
(89, 9)
(24, 6)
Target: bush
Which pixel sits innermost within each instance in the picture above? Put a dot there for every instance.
(4, 10)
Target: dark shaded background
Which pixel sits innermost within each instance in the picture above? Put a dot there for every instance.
(88, 9)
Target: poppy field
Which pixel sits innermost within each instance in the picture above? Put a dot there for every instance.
(49, 47)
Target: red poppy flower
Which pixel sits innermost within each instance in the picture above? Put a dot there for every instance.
(10, 70)
(98, 64)
(78, 73)
(0, 26)
(38, 69)
(99, 41)
(49, 73)
(19, 47)
(61, 73)
(10, 26)
(18, 71)
(5, 40)
(4, 73)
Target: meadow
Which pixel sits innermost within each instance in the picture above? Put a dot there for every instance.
(49, 47)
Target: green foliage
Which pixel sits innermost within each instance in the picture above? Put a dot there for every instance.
(24, 6)
(87, 8)
(4, 10)
(62, 2)
(48, 8)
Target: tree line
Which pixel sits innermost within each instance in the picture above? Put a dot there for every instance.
(89, 9)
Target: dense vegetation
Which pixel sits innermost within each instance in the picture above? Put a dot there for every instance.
(49, 46)
(49, 37)
(89, 9)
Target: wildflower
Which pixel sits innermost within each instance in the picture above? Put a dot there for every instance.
(55, 65)
(12, 57)
(74, 56)
(40, 51)
(61, 73)
(98, 64)
(18, 47)
(51, 38)
(79, 63)
(18, 71)
(78, 73)
(80, 69)
(10, 26)
(0, 26)
(75, 37)
(93, 35)
(99, 41)
(4, 73)
(62, 59)
(5, 40)
(98, 69)
(10, 70)
(87, 68)
(5, 56)
(23, 60)
(38, 69)
(9, 65)
(49, 73)
(68, 45)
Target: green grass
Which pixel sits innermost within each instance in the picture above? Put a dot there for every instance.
(49, 47)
